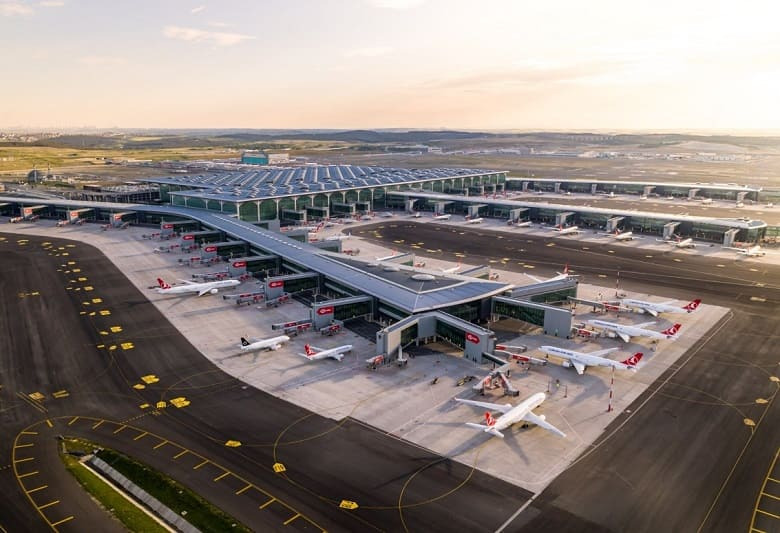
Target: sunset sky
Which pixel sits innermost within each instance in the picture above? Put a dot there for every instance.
(390, 63)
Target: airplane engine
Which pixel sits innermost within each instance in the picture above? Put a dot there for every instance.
(214, 291)
(566, 363)
(543, 417)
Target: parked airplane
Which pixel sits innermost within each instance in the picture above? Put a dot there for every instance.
(625, 236)
(571, 230)
(753, 251)
(680, 243)
(581, 360)
(211, 287)
(560, 276)
(522, 412)
(625, 332)
(665, 307)
(442, 217)
(478, 220)
(313, 353)
(451, 270)
(706, 201)
(274, 343)
(523, 224)
(338, 237)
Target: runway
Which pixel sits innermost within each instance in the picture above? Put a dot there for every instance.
(86, 354)
(692, 453)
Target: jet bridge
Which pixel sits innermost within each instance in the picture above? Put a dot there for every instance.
(167, 229)
(242, 266)
(562, 218)
(669, 229)
(613, 223)
(324, 313)
(275, 286)
(555, 321)
(212, 250)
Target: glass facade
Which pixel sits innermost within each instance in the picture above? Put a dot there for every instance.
(268, 210)
(409, 334)
(556, 296)
(344, 312)
(248, 211)
(468, 311)
(302, 284)
(451, 333)
(519, 311)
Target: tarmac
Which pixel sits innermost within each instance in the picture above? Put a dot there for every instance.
(697, 450)
(91, 357)
(425, 413)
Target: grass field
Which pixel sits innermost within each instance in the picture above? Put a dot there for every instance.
(133, 518)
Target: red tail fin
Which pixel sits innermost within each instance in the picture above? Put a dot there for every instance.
(693, 305)
(308, 350)
(489, 420)
(673, 330)
(566, 269)
(162, 284)
(633, 360)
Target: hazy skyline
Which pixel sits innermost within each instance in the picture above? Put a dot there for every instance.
(390, 63)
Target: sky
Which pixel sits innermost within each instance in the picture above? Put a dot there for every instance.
(344, 64)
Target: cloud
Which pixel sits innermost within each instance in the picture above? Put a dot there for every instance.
(372, 51)
(218, 24)
(527, 76)
(11, 8)
(396, 4)
(51, 3)
(195, 35)
(197, 9)
(101, 61)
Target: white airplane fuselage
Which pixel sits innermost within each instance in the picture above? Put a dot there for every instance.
(273, 343)
(332, 353)
(586, 359)
(568, 231)
(625, 332)
(654, 308)
(516, 414)
(442, 217)
(626, 236)
(475, 220)
(210, 287)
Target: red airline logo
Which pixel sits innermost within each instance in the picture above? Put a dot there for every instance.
(188, 238)
(210, 249)
(117, 217)
(167, 226)
(275, 284)
(239, 264)
(325, 310)
(472, 338)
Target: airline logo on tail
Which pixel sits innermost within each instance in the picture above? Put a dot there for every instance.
(308, 350)
(162, 284)
(672, 331)
(633, 360)
(489, 420)
(244, 342)
(692, 306)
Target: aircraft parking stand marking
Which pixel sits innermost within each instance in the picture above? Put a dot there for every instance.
(765, 517)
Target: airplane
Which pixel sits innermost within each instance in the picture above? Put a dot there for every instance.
(706, 201)
(338, 237)
(522, 412)
(451, 270)
(680, 243)
(274, 343)
(571, 230)
(387, 214)
(665, 307)
(524, 224)
(210, 287)
(625, 236)
(560, 276)
(581, 360)
(625, 332)
(313, 353)
(753, 251)
(477, 220)
(442, 217)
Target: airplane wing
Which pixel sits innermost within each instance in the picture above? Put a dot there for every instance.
(537, 280)
(187, 281)
(484, 428)
(602, 353)
(203, 291)
(643, 324)
(651, 311)
(486, 405)
(579, 367)
(542, 423)
(625, 336)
